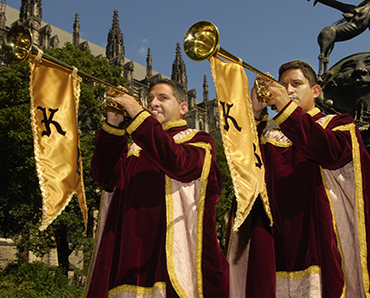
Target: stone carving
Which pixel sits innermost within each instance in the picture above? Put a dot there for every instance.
(346, 89)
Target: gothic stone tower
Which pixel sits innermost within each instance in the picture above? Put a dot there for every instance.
(30, 16)
(76, 31)
(179, 68)
(2, 20)
(115, 53)
(115, 50)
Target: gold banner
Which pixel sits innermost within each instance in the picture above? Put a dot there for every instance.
(240, 137)
(55, 93)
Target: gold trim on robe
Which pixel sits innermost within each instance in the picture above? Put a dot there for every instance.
(184, 236)
(306, 282)
(113, 130)
(137, 121)
(128, 291)
(344, 188)
(184, 208)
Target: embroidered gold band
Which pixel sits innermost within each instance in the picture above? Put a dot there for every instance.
(313, 112)
(113, 130)
(326, 122)
(133, 153)
(171, 124)
(187, 137)
(138, 120)
(277, 143)
(286, 113)
(140, 291)
(298, 274)
(264, 118)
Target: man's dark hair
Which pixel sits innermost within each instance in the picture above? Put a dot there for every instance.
(178, 90)
(306, 69)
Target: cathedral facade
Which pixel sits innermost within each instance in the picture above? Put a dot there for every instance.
(202, 115)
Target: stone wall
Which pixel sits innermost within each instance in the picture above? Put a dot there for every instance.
(8, 254)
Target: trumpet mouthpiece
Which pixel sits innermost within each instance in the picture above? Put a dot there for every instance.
(154, 113)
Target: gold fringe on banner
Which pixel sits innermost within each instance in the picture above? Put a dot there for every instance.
(240, 137)
(55, 93)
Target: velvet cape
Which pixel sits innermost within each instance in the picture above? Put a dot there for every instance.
(131, 258)
(313, 165)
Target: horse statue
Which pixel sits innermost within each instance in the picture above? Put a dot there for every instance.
(356, 19)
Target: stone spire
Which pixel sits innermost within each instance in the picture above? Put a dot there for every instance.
(149, 64)
(31, 9)
(2, 20)
(30, 15)
(205, 89)
(179, 68)
(76, 31)
(115, 47)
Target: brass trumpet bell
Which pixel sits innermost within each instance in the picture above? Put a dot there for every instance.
(16, 45)
(201, 41)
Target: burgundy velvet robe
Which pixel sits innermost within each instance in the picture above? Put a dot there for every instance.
(251, 255)
(132, 249)
(307, 234)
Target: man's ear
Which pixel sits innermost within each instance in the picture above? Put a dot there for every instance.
(316, 89)
(183, 108)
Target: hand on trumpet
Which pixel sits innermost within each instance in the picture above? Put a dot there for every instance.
(128, 102)
(257, 103)
(268, 93)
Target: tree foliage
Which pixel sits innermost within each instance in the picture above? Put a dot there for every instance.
(20, 202)
(35, 280)
(224, 205)
(20, 198)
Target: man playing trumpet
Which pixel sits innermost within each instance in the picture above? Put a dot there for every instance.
(318, 189)
(157, 233)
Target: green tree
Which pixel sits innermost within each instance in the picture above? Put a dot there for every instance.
(224, 205)
(35, 280)
(20, 199)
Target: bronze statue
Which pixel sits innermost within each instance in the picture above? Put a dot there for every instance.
(356, 19)
(346, 89)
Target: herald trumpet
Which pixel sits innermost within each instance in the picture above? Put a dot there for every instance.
(18, 45)
(201, 42)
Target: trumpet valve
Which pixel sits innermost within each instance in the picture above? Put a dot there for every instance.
(262, 93)
(111, 106)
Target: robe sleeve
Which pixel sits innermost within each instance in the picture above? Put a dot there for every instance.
(180, 161)
(109, 158)
(325, 144)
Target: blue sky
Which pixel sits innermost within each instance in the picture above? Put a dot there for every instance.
(264, 33)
